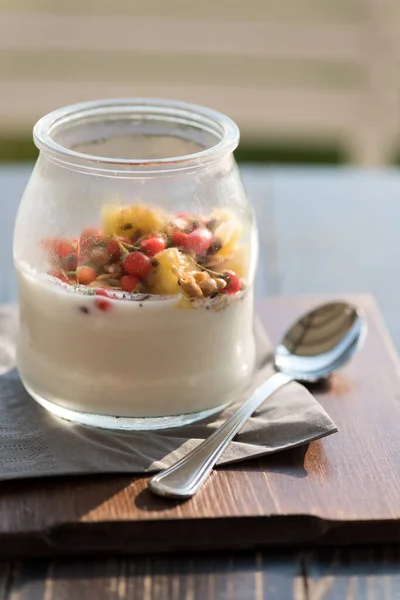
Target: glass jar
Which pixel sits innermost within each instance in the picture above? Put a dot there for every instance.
(135, 248)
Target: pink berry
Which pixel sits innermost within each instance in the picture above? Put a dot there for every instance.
(179, 239)
(91, 236)
(63, 248)
(153, 244)
(114, 250)
(106, 292)
(199, 240)
(137, 264)
(129, 283)
(57, 247)
(233, 282)
(102, 304)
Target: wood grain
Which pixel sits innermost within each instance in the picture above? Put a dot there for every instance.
(353, 574)
(370, 573)
(241, 577)
(343, 489)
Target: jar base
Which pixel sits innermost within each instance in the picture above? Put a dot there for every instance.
(123, 423)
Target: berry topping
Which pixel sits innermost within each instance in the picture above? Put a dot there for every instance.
(153, 244)
(102, 304)
(91, 236)
(105, 292)
(137, 264)
(179, 239)
(129, 283)
(114, 250)
(63, 248)
(199, 240)
(144, 250)
(57, 247)
(85, 275)
(233, 282)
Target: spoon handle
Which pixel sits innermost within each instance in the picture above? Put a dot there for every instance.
(185, 478)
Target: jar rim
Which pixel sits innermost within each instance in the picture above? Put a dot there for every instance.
(222, 126)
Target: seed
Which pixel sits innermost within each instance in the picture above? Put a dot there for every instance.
(201, 276)
(99, 284)
(102, 277)
(115, 270)
(212, 224)
(215, 247)
(221, 283)
(190, 287)
(208, 287)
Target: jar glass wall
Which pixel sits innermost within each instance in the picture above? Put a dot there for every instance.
(135, 248)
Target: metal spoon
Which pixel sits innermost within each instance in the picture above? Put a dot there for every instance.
(317, 344)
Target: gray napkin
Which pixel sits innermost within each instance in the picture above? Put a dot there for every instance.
(34, 443)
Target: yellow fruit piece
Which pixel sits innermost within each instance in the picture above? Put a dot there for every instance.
(228, 232)
(239, 261)
(172, 264)
(127, 220)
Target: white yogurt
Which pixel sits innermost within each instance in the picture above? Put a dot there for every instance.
(135, 359)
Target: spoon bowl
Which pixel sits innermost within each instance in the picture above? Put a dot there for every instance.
(320, 342)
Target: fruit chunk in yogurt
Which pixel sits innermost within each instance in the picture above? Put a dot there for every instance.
(148, 316)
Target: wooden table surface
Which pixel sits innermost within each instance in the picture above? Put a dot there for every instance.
(328, 231)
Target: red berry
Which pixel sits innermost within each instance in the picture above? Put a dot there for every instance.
(105, 292)
(137, 264)
(179, 239)
(85, 275)
(233, 282)
(102, 304)
(114, 250)
(91, 236)
(199, 240)
(62, 248)
(57, 247)
(153, 244)
(129, 283)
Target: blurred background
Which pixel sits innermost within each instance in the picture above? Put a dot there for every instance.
(311, 83)
(308, 81)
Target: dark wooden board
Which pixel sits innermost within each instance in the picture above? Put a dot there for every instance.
(343, 489)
